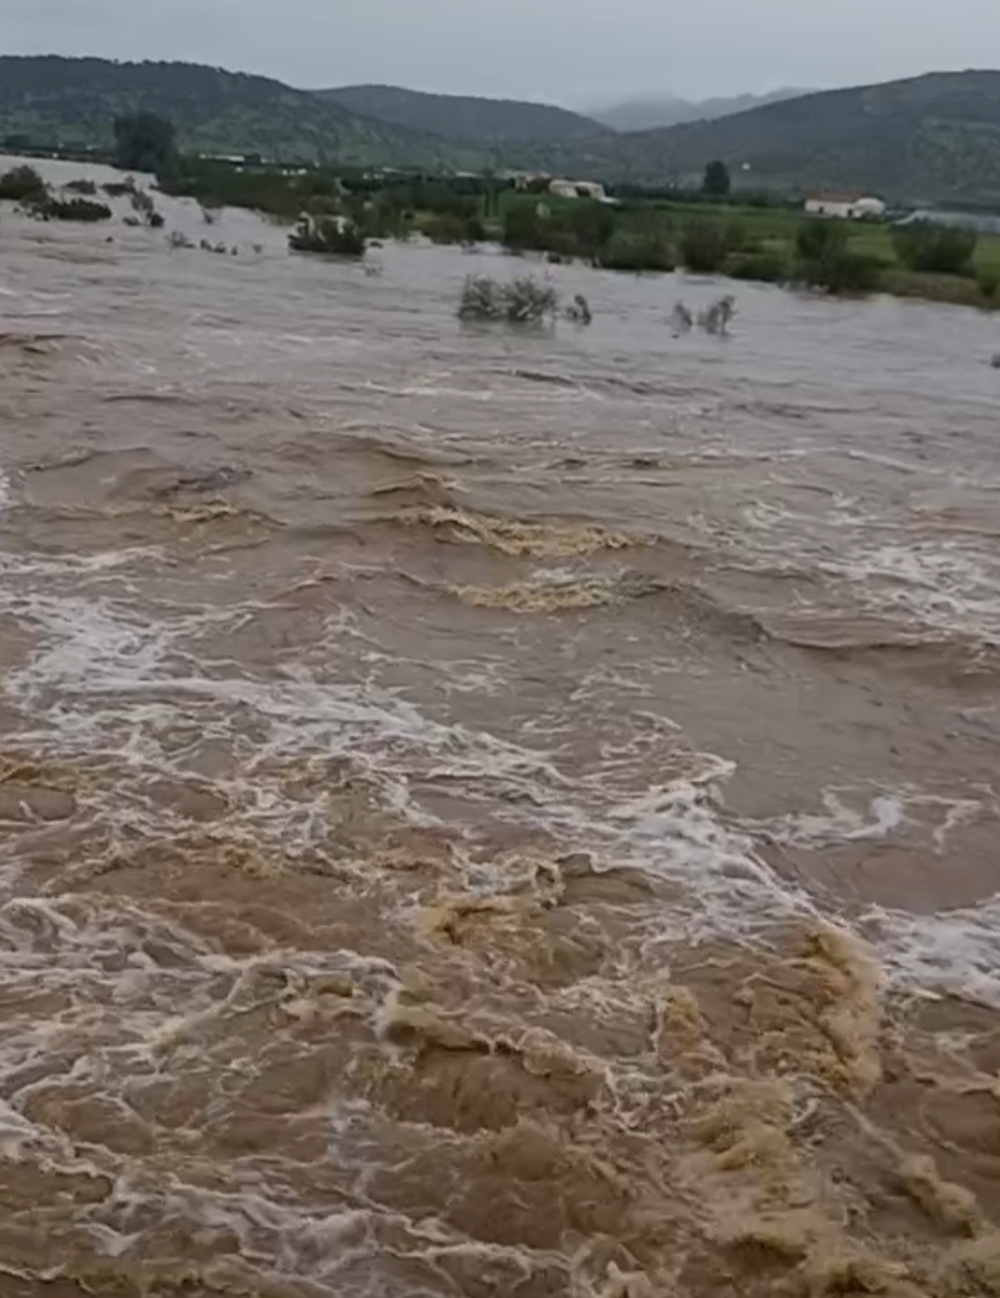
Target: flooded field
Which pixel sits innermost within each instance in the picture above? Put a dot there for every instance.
(490, 812)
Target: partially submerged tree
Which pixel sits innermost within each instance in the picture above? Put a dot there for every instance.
(333, 235)
(145, 208)
(71, 209)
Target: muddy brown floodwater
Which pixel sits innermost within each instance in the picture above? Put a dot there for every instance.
(490, 813)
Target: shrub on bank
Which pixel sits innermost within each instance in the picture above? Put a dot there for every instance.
(937, 249)
(817, 239)
(579, 229)
(766, 267)
(703, 247)
(626, 251)
(842, 271)
(825, 261)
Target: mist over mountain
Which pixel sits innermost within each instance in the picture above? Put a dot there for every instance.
(651, 111)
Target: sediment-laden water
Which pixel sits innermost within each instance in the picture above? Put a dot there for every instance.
(485, 812)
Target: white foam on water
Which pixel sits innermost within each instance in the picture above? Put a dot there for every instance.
(106, 676)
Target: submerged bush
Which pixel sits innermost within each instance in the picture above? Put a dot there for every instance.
(938, 249)
(145, 208)
(703, 246)
(521, 301)
(22, 185)
(330, 235)
(85, 187)
(72, 209)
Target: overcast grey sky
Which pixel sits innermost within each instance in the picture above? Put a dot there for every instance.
(575, 52)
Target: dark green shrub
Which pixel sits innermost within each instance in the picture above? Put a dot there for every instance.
(85, 187)
(988, 279)
(22, 185)
(580, 228)
(767, 267)
(72, 209)
(703, 246)
(938, 249)
(591, 225)
(119, 188)
(817, 239)
(524, 227)
(841, 271)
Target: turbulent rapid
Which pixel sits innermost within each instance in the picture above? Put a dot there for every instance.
(484, 811)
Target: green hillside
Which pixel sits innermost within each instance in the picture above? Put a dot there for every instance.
(74, 102)
(462, 117)
(929, 138)
(935, 137)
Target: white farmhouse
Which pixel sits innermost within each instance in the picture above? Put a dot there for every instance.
(848, 207)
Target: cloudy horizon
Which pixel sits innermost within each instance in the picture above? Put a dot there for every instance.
(579, 53)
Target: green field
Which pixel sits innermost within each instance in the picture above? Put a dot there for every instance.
(769, 234)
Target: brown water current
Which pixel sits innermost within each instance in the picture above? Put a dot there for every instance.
(490, 812)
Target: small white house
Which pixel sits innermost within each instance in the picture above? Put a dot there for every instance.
(848, 207)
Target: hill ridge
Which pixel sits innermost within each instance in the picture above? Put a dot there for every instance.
(471, 118)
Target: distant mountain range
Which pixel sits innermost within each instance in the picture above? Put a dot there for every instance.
(462, 117)
(655, 111)
(929, 138)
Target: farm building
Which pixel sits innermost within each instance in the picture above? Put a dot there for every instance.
(848, 207)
